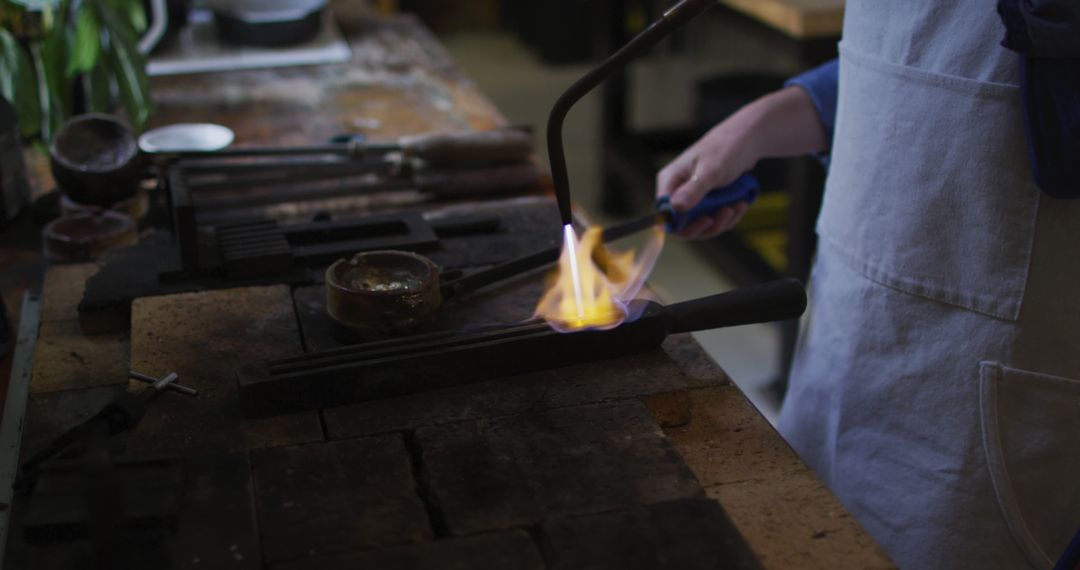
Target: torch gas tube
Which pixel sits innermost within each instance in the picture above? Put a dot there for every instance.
(674, 18)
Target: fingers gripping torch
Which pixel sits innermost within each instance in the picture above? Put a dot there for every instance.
(744, 189)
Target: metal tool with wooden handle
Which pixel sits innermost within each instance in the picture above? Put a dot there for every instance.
(499, 145)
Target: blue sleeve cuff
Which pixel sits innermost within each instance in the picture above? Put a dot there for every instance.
(822, 85)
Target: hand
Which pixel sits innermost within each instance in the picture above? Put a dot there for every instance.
(723, 220)
(715, 160)
(782, 123)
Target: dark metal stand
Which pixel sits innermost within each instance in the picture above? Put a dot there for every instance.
(396, 367)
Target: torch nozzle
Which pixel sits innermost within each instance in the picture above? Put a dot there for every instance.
(570, 238)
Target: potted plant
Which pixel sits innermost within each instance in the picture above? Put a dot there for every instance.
(63, 57)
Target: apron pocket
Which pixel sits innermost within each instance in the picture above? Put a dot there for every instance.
(929, 190)
(1031, 436)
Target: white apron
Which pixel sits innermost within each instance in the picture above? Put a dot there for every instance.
(936, 387)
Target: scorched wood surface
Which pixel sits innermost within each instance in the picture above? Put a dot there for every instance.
(600, 463)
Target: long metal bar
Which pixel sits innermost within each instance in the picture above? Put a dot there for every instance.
(273, 388)
(510, 143)
(678, 15)
(431, 362)
(405, 346)
(270, 180)
(15, 409)
(339, 149)
(212, 174)
(452, 182)
(512, 268)
(223, 167)
(301, 192)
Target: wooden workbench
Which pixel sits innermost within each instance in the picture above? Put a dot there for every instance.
(666, 430)
(800, 19)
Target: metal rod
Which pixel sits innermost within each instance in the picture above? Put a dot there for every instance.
(172, 385)
(634, 226)
(514, 267)
(351, 149)
(678, 15)
(264, 167)
(11, 424)
(313, 191)
(500, 272)
(165, 381)
(405, 346)
(277, 175)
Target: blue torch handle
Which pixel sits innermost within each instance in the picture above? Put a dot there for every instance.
(744, 189)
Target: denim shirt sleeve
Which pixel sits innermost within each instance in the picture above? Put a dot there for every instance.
(822, 84)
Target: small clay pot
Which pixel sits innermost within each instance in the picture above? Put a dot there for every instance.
(137, 206)
(95, 160)
(381, 293)
(83, 237)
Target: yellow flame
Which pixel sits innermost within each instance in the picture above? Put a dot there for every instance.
(592, 285)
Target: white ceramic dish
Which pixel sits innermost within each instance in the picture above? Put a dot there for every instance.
(183, 137)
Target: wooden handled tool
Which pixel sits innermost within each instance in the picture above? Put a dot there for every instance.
(499, 145)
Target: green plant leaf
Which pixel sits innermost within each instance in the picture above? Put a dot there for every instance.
(97, 88)
(133, 11)
(128, 65)
(45, 102)
(53, 62)
(9, 66)
(18, 83)
(86, 44)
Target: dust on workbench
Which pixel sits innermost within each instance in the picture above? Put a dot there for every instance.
(399, 81)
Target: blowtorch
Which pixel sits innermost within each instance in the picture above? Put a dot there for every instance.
(744, 189)
(675, 17)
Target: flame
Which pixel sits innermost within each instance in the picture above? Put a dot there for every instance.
(593, 286)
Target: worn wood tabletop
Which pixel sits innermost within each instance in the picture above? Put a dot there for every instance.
(669, 426)
(800, 19)
(398, 81)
